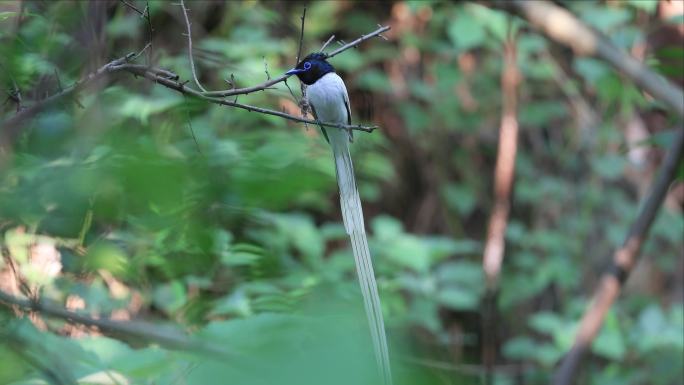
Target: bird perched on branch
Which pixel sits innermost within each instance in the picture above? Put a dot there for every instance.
(329, 101)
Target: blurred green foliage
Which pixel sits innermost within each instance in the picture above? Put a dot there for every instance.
(225, 223)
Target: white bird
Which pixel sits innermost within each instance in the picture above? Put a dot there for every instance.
(327, 95)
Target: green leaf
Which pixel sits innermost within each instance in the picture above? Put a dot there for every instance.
(458, 298)
(648, 6)
(547, 323)
(460, 197)
(495, 21)
(409, 252)
(170, 297)
(609, 166)
(465, 32)
(520, 348)
(605, 18)
(591, 69)
(386, 227)
(107, 256)
(460, 272)
(610, 343)
(242, 254)
(6, 15)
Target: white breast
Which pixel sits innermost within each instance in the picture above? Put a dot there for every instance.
(328, 96)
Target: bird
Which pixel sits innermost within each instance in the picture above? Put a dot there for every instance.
(329, 101)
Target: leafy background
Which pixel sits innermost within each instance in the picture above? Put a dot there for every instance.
(135, 203)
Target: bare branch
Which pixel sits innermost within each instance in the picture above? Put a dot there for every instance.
(149, 45)
(510, 369)
(291, 92)
(358, 41)
(146, 14)
(180, 87)
(562, 26)
(330, 39)
(133, 7)
(263, 86)
(11, 126)
(268, 75)
(136, 329)
(150, 53)
(301, 38)
(15, 96)
(190, 55)
(247, 90)
(623, 261)
(383, 37)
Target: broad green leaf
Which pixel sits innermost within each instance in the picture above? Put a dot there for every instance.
(458, 298)
(466, 32)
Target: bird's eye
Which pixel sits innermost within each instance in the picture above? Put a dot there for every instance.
(307, 65)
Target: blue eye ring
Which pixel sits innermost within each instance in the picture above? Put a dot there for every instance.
(307, 65)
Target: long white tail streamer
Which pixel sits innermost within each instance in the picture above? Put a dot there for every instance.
(352, 215)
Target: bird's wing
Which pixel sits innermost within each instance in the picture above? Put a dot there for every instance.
(346, 105)
(325, 133)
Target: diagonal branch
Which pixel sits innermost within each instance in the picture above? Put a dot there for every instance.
(560, 25)
(624, 260)
(265, 85)
(190, 55)
(144, 14)
(12, 126)
(139, 330)
(327, 42)
(563, 27)
(355, 43)
(182, 88)
(301, 38)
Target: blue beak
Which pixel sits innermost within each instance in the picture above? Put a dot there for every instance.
(294, 71)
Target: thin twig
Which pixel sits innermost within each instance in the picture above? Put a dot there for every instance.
(11, 126)
(190, 55)
(262, 86)
(148, 45)
(59, 82)
(192, 131)
(358, 41)
(15, 93)
(470, 369)
(247, 90)
(180, 87)
(15, 96)
(301, 38)
(268, 75)
(133, 7)
(150, 30)
(145, 14)
(136, 329)
(562, 26)
(383, 37)
(291, 93)
(330, 39)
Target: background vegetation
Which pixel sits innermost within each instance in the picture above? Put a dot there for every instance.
(215, 233)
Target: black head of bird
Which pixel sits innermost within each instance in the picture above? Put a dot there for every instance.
(312, 68)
